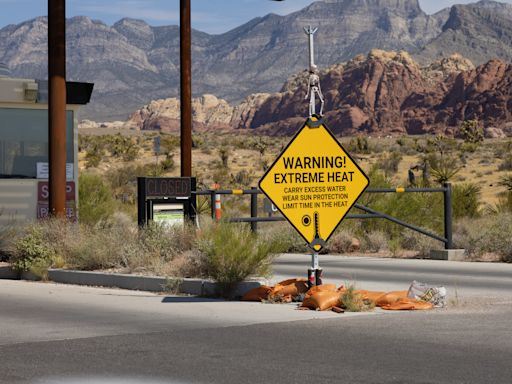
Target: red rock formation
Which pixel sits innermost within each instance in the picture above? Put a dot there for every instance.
(388, 93)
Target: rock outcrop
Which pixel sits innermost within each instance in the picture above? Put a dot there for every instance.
(388, 93)
(209, 112)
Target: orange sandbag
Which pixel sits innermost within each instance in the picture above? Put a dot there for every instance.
(292, 281)
(320, 288)
(373, 296)
(407, 304)
(291, 287)
(257, 294)
(323, 300)
(390, 298)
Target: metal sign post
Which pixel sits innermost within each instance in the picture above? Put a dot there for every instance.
(57, 106)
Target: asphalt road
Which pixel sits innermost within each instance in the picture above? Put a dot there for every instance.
(463, 280)
(62, 334)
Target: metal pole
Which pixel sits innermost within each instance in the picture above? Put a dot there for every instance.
(186, 88)
(448, 212)
(315, 272)
(142, 218)
(310, 32)
(254, 210)
(212, 203)
(57, 106)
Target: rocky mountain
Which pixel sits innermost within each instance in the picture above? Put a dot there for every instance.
(383, 93)
(132, 63)
(389, 93)
(480, 31)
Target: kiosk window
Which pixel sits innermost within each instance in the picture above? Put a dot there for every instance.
(24, 141)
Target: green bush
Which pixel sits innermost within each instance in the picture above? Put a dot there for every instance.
(232, 253)
(96, 201)
(471, 132)
(443, 158)
(421, 209)
(93, 157)
(466, 200)
(168, 164)
(33, 250)
(389, 162)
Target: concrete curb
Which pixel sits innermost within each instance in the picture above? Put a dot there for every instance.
(7, 273)
(196, 287)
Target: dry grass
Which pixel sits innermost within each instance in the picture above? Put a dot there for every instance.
(354, 302)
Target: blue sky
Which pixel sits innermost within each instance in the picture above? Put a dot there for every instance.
(212, 16)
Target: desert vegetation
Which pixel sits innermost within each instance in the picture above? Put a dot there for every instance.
(108, 238)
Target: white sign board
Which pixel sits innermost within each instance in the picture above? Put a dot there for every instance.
(43, 170)
(169, 214)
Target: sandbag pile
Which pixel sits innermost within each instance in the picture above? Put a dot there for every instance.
(328, 296)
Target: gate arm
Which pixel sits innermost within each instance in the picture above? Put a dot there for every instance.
(402, 223)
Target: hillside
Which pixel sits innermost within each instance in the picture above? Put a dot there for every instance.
(132, 62)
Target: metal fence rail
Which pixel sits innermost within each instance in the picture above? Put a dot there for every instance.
(445, 189)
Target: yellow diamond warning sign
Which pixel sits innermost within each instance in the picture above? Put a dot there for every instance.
(314, 182)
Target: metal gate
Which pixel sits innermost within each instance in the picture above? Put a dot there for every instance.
(369, 213)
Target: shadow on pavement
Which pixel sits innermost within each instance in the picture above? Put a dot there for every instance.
(189, 299)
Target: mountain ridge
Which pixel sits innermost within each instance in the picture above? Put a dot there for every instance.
(132, 62)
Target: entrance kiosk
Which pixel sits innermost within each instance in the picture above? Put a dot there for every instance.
(24, 147)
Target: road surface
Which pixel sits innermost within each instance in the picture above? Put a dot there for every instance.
(63, 334)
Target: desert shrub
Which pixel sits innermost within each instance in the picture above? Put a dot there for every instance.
(8, 231)
(506, 164)
(340, 241)
(443, 159)
(96, 201)
(220, 174)
(471, 131)
(359, 144)
(443, 167)
(224, 153)
(32, 250)
(389, 162)
(485, 235)
(96, 247)
(422, 244)
(189, 264)
(232, 252)
(466, 200)
(407, 146)
(352, 301)
(288, 236)
(117, 242)
(242, 179)
(170, 142)
(506, 181)
(421, 209)
(93, 157)
(123, 182)
(374, 241)
(168, 163)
